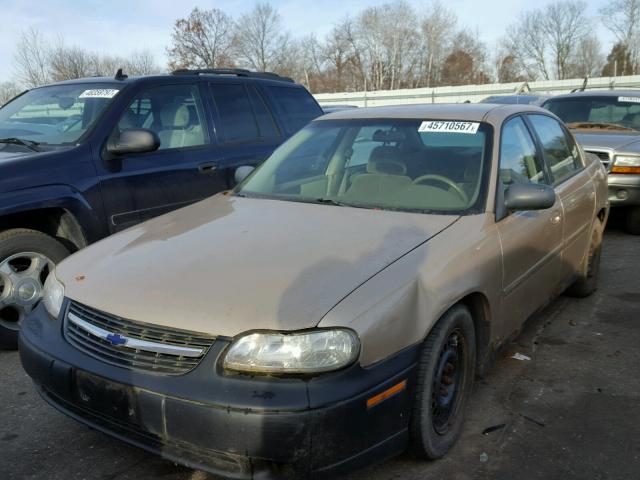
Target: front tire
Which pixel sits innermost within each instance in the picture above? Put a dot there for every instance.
(632, 221)
(26, 258)
(444, 382)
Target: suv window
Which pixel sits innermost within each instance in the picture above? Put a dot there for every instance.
(518, 161)
(173, 112)
(295, 107)
(563, 158)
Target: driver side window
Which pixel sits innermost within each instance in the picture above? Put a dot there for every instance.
(518, 160)
(173, 112)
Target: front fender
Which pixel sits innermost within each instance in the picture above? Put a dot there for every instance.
(56, 196)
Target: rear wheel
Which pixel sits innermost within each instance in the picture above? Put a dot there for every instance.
(26, 258)
(632, 221)
(587, 282)
(444, 383)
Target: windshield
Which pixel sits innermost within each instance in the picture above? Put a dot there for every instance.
(601, 111)
(55, 115)
(409, 165)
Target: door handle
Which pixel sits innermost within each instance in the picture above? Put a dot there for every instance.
(556, 218)
(207, 167)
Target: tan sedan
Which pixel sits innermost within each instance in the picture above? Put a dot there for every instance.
(334, 308)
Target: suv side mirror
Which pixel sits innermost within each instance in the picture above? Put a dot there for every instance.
(243, 172)
(133, 140)
(529, 196)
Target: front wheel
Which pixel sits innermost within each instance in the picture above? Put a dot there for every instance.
(26, 258)
(444, 383)
(632, 221)
(587, 281)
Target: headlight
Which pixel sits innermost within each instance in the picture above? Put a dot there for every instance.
(53, 295)
(301, 352)
(626, 164)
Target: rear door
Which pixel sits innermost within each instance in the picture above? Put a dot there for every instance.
(245, 126)
(573, 185)
(137, 187)
(531, 240)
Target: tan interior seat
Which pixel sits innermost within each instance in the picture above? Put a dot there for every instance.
(386, 174)
(177, 128)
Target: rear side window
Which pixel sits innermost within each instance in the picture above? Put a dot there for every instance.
(563, 158)
(518, 161)
(295, 107)
(237, 120)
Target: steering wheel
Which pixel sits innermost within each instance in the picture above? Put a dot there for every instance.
(447, 181)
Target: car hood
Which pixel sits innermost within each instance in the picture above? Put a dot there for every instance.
(4, 155)
(230, 264)
(615, 141)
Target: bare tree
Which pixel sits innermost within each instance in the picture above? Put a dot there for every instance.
(141, 62)
(622, 18)
(32, 59)
(565, 25)
(437, 30)
(8, 90)
(201, 40)
(588, 59)
(66, 63)
(261, 40)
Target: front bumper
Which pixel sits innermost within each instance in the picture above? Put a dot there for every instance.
(235, 426)
(624, 189)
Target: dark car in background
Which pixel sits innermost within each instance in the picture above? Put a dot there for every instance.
(607, 124)
(82, 159)
(524, 99)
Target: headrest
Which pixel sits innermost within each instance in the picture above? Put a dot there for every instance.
(128, 120)
(175, 115)
(384, 160)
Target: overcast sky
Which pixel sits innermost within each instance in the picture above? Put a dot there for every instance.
(120, 26)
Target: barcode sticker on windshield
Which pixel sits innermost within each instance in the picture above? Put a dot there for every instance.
(448, 126)
(629, 99)
(99, 93)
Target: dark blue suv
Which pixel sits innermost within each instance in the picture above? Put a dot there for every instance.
(82, 159)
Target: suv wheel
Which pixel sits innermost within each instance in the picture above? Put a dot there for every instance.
(444, 383)
(632, 222)
(26, 258)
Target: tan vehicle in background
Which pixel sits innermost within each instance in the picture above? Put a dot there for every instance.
(334, 308)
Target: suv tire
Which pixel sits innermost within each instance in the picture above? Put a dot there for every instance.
(444, 382)
(26, 256)
(632, 221)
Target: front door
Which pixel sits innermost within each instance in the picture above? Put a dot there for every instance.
(137, 187)
(531, 240)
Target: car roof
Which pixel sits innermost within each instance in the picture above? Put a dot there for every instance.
(476, 112)
(150, 79)
(598, 93)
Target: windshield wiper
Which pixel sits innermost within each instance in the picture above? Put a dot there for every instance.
(30, 144)
(331, 201)
(602, 125)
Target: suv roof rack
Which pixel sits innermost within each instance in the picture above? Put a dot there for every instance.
(238, 72)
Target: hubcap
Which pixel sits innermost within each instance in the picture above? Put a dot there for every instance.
(22, 278)
(447, 381)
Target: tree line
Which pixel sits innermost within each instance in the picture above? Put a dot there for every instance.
(389, 46)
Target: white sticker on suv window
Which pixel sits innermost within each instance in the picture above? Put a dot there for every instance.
(629, 99)
(99, 93)
(448, 126)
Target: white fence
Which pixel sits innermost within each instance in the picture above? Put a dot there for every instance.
(472, 93)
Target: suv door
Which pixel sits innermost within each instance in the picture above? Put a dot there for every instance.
(245, 127)
(137, 187)
(573, 185)
(531, 240)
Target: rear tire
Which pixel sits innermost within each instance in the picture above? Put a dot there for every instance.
(444, 382)
(17, 247)
(587, 282)
(632, 221)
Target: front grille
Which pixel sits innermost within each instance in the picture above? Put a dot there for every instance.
(603, 155)
(128, 356)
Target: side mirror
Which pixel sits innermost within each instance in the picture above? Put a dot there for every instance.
(243, 172)
(133, 140)
(529, 196)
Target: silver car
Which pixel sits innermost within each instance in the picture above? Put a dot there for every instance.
(332, 310)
